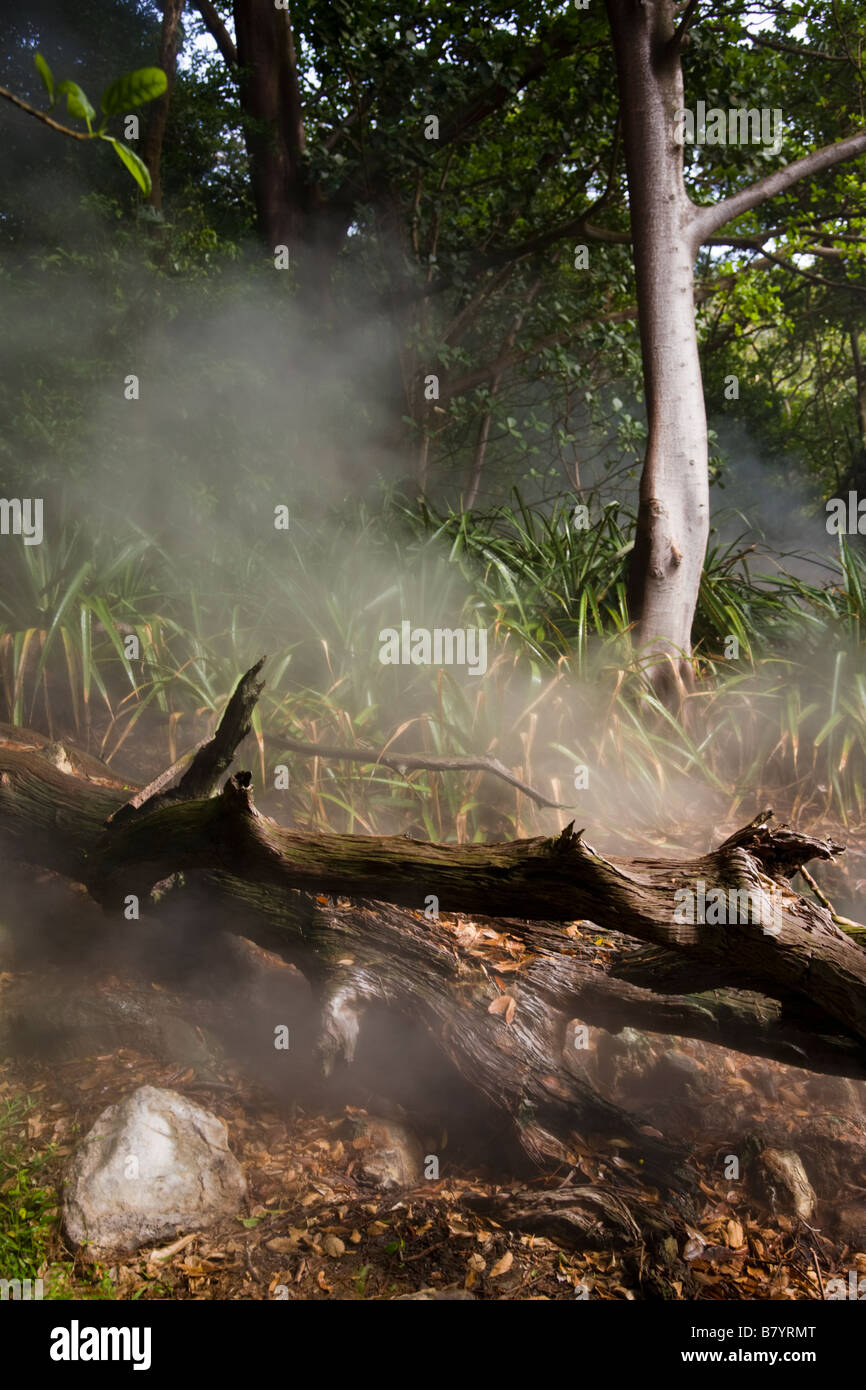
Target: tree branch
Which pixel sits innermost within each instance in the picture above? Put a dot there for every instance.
(420, 762)
(708, 220)
(218, 32)
(210, 759)
(744, 243)
(510, 256)
(810, 274)
(552, 878)
(560, 41)
(478, 375)
(685, 23)
(42, 116)
(796, 48)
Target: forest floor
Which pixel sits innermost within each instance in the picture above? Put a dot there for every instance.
(314, 1229)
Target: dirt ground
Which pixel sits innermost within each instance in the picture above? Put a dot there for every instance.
(312, 1229)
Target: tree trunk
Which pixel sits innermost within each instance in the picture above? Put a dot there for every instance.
(158, 119)
(857, 471)
(273, 121)
(480, 451)
(673, 518)
(667, 229)
(291, 209)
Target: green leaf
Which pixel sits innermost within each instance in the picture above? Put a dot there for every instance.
(136, 166)
(46, 74)
(77, 103)
(133, 89)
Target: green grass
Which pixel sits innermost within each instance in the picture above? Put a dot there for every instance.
(29, 1215)
(785, 718)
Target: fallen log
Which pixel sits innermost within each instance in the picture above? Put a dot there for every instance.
(807, 978)
(560, 878)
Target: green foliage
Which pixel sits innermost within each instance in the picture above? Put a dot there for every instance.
(466, 248)
(134, 89)
(130, 159)
(486, 222)
(27, 1208)
(29, 1215)
(46, 74)
(77, 103)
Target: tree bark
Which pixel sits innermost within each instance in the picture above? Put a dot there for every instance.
(857, 471)
(158, 117)
(673, 518)
(274, 126)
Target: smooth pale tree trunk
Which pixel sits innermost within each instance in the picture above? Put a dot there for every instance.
(667, 230)
(673, 519)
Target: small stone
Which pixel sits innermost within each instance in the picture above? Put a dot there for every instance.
(391, 1156)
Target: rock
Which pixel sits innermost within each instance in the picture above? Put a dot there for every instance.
(152, 1166)
(54, 1017)
(389, 1155)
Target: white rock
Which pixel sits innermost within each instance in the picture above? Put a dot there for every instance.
(154, 1165)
